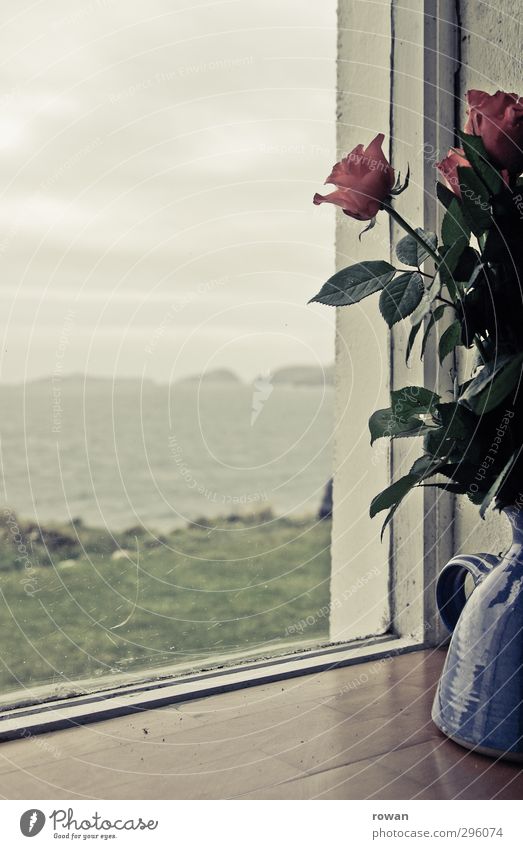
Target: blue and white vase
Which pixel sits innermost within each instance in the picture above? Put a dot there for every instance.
(479, 700)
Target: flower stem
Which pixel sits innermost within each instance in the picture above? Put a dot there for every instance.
(394, 214)
(445, 301)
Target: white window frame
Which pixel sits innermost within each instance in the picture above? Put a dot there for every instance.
(382, 596)
(411, 46)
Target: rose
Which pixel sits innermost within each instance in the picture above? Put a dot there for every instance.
(498, 119)
(448, 166)
(363, 180)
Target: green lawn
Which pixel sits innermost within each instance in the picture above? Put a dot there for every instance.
(71, 610)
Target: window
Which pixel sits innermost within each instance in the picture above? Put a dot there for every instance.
(166, 391)
(170, 396)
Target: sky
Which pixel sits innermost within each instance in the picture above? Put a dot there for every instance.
(157, 167)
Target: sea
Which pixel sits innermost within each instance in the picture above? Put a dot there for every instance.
(125, 452)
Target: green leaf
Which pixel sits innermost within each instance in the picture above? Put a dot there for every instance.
(354, 283)
(456, 419)
(475, 199)
(454, 226)
(434, 318)
(450, 338)
(454, 440)
(390, 514)
(384, 423)
(425, 466)
(467, 267)
(451, 257)
(498, 483)
(444, 194)
(401, 296)
(479, 269)
(413, 397)
(492, 385)
(412, 338)
(392, 496)
(427, 299)
(404, 416)
(409, 250)
(495, 248)
(478, 157)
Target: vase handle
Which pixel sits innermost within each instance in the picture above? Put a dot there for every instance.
(450, 588)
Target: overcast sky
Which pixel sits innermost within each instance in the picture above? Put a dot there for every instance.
(158, 161)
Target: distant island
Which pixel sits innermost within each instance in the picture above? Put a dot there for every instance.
(305, 375)
(297, 375)
(218, 375)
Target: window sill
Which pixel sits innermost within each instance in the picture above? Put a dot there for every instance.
(62, 713)
(363, 732)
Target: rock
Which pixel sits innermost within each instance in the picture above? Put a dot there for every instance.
(121, 554)
(325, 511)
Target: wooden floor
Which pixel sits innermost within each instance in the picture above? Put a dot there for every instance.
(362, 732)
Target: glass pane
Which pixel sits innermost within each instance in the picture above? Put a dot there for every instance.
(166, 392)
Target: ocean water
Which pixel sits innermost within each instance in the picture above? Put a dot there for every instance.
(121, 453)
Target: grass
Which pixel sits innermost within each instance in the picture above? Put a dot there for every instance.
(78, 603)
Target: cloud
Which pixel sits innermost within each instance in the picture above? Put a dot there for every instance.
(151, 149)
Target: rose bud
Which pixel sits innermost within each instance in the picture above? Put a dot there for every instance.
(454, 159)
(363, 180)
(498, 119)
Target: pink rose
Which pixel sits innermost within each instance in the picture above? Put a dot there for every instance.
(498, 119)
(363, 180)
(454, 159)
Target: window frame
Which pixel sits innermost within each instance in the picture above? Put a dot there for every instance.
(421, 57)
(439, 32)
(26, 720)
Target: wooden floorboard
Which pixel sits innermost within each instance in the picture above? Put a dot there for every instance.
(362, 732)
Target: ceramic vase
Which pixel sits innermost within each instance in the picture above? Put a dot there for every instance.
(479, 700)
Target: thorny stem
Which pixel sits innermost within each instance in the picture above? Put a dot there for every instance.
(445, 301)
(437, 259)
(411, 231)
